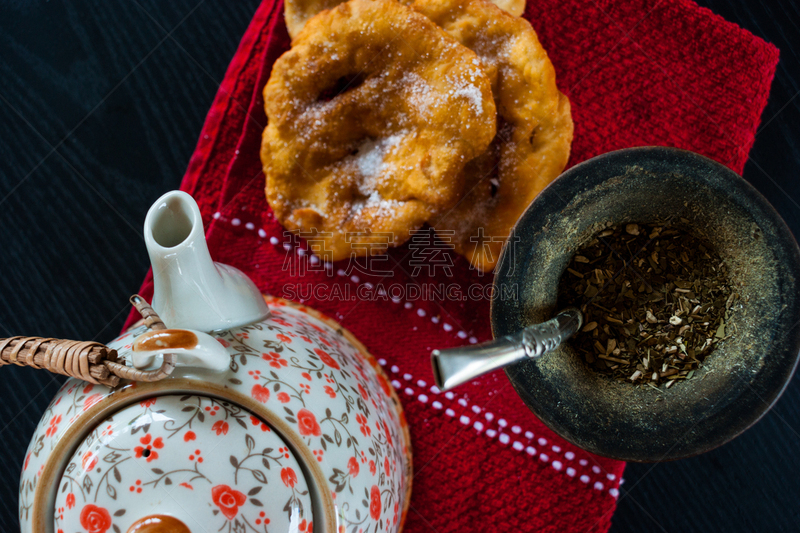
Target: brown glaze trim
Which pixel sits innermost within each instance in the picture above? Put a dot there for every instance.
(175, 339)
(159, 523)
(45, 492)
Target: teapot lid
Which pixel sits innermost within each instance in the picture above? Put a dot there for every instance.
(183, 464)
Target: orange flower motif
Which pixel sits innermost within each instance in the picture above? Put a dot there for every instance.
(256, 422)
(288, 477)
(329, 391)
(53, 427)
(220, 427)
(352, 466)
(388, 433)
(326, 358)
(386, 467)
(148, 403)
(70, 500)
(137, 487)
(148, 450)
(228, 500)
(307, 423)
(91, 400)
(89, 461)
(375, 502)
(95, 519)
(283, 338)
(260, 393)
(362, 421)
(283, 397)
(275, 360)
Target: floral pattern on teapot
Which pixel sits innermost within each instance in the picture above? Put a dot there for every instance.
(330, 392)
(72, 400)
(213, 462)
(305, 370)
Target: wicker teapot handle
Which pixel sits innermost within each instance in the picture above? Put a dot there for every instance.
(90, 361)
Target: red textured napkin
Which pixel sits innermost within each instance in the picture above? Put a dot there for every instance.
(639, 72)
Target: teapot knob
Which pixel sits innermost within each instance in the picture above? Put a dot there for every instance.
(158, 523)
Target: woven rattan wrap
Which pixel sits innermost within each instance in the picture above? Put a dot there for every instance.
(87, 360)
(82, 360)
(152, 321)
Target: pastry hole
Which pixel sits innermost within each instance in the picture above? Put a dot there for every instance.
(343, 85)
(495, 185)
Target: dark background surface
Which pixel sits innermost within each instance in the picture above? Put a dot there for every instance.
(101, 103)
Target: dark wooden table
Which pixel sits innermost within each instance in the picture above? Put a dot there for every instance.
(101, 103)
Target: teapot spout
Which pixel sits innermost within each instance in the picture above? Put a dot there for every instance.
(192, 291)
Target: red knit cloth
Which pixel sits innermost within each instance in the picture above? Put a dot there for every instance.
(638, 72)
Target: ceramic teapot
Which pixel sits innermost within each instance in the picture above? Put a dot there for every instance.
(274, 418)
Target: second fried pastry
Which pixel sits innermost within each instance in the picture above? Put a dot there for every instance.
(534, 127)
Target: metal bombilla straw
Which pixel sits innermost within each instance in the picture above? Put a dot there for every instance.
(456, 366)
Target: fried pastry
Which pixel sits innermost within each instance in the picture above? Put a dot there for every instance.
(373, 114)
(515, 7)
(534, 127)
(297, 12)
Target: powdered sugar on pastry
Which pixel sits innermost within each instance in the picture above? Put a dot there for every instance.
(419, 93)
(471, 93)
(467, 89)
(370, 159)
(372, 165)
(372, 128)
